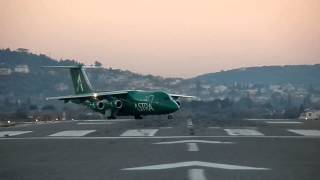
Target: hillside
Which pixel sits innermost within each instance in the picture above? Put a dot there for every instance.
(21, 77)
(294, 74)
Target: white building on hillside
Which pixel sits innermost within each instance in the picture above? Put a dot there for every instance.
(22, 69)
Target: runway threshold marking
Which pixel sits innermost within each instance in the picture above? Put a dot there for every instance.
(153, 137)
(243, 132)
(12, 133)
(195, 141)
(195, 163)
(196, 174)
(140, 132)
(305, 132)
(73, 133)
(192, 147)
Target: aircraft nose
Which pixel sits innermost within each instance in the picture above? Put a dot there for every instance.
(174, 106)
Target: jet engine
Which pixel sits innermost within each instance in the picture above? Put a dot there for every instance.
(118, 104)
(104, 104)
(101, 105)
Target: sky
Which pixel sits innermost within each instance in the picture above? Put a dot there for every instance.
(171, 38)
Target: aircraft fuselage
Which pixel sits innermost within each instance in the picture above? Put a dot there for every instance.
(134, 103)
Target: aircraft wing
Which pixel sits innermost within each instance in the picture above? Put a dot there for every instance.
(176, 96)
(89, 95)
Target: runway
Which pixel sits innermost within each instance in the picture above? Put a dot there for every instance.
(161, 149)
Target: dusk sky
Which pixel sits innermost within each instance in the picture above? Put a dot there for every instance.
(172, 38)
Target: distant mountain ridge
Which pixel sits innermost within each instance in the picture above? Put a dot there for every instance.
(293, 74)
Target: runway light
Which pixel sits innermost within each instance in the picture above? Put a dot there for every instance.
(57, 119)
(37, 120)
(9, 122)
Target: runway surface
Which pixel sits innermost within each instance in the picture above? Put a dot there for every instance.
(161, 149)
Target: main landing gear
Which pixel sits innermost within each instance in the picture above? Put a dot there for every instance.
(137, 117)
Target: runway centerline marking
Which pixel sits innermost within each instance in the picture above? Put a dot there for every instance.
(192, 147)
(12, 133)
(305, 132)
(195, 163)
(196, 174)
(195, 141)
(140, 132)
(72, 133)
(243, 132)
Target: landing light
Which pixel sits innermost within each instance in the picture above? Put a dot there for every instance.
(9, 122)
(95, 95)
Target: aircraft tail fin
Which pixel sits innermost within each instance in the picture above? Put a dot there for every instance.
(79, 77)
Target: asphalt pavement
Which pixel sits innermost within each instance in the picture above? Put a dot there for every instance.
(158, 149)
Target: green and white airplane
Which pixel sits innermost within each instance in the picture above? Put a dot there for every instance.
(135, 103)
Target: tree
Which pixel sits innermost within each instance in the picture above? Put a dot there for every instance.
(97, 63)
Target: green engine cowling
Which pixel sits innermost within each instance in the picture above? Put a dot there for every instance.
(104, 104)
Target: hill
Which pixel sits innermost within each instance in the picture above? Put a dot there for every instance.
(293, 74)
(22, 77)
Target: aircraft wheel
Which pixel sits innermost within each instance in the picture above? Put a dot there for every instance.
(170, 116)
(137, 117)
(111, 117)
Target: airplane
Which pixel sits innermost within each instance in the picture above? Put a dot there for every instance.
(111, 104)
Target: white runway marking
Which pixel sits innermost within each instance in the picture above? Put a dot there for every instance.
(283, 122)
(268, 119)
(140, 132)
(97, 123)
(166, 127)
(305, 132)
(155, 137)
(243, 132)
(189, 123)
(73, 133)
(214, 127)
(192, 147)
(101, 120)
(196, 163)
(12, 133)
(196, 174)
(195, 141)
